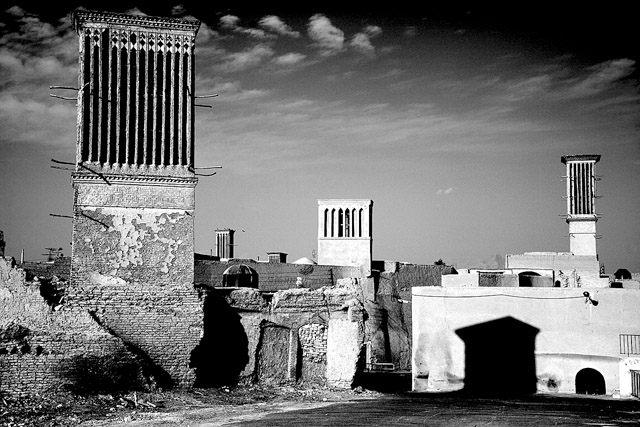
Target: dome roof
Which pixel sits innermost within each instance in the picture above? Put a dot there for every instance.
(239, 269)
(304, 260)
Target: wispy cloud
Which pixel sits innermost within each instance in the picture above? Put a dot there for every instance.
(601, 76)
(326, 37)
(243, 60)
(444, 192)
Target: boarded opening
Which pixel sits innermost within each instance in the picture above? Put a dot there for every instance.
(273, 360)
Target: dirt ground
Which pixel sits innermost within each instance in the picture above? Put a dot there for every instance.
(168, 408)
(313, 406)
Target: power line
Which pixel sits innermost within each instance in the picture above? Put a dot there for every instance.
(498, 295)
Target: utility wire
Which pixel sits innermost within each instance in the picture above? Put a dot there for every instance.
(496, 295)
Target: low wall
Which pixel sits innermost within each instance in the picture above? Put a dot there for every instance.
(275, 276)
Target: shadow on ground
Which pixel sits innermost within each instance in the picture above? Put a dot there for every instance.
(457, 410)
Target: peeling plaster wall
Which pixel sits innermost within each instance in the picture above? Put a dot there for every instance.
(45, 347)
(133, 268)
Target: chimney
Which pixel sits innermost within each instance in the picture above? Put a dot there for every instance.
(277, 257)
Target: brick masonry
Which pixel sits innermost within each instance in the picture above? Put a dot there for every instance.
(44, 348)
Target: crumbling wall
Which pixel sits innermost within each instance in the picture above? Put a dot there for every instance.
(60, 267)
(282, 338)
(46, 346)
(387, 302)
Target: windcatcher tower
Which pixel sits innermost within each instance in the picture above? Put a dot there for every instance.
(134, 184)
(224, 243)
(345, 232)
(581, 210)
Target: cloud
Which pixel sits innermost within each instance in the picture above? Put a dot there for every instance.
(361, 41)
(602, 75)
(410, 32)
(37, 54)
(275, 24)
(289, 59)
(229, 22)
(35, 121)
(441, 192)
(232, 23)
(329, 39)
(372, 30)
(252, 57)
(362, 44)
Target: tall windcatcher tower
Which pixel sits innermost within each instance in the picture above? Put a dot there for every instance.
(134, 182)
(224, 243)
(345, 232)
(581, 196)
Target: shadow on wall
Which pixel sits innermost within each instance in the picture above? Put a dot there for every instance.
(111, 373)
(499, 357)
(223, 351)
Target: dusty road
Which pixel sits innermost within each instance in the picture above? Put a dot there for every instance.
(453, 412)
(404, 410)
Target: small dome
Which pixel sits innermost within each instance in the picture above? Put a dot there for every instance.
(240, 276)
(304, 260)
(239, 269)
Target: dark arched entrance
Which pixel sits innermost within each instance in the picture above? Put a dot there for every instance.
(590, 381)
(525, 279)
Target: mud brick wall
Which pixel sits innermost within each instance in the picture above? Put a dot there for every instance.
(44, 347)
(132, 269)
(280, 338)
(313, 340)
(275, 276)
(388, 305)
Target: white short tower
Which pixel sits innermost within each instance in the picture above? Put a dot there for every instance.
(581, 195)
(345, 232)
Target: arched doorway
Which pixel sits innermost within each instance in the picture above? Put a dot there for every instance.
(525, 279)
(590, 381)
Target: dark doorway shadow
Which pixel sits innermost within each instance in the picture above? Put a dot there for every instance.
(223, 351)
(526, 279)
(590, 381)
(499, 358)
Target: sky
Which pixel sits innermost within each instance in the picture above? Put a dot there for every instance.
(453, 120)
